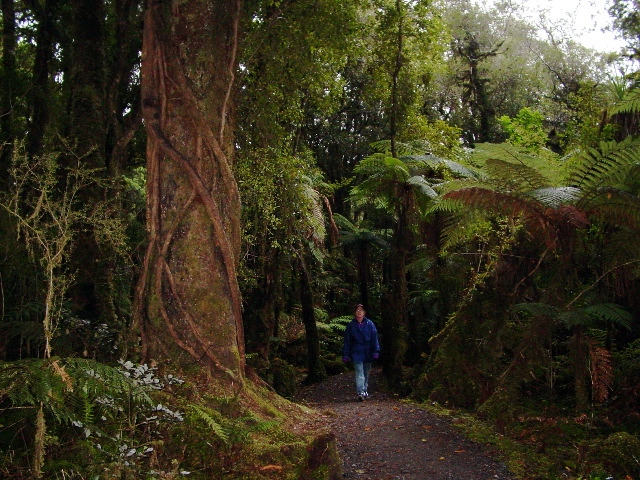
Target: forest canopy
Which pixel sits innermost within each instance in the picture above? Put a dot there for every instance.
(195, 195)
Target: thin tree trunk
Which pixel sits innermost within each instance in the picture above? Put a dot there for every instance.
(316, 370)
(7, 137)
(363, 274)
(396, 320)
(40, 85)
(395, 76)
(579, 355)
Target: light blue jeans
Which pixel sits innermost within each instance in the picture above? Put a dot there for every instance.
(362, 376)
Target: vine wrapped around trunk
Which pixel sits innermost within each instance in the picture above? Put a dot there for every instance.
(188, 300)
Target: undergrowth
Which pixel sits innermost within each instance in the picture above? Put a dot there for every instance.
(76, 418)
(544, 447)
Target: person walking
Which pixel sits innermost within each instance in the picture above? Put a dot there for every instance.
(361, 346)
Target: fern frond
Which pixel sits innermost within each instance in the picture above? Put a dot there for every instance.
(264, 426)
(607, 165)
(448, 204)
(402, 148)
(343, 223)
(82, 405)
(555, 197)
(316, 251)
(616, 207)
(610, 312)
(101, 379)
(460, 170)
(213, 419)
(423, 163)
(517, 175)
(571, 318)
(69, 388)
(423, 186)
(460, 228)
(381, 146)
(493, 202)
(421, 266)
(536, 310)
(630, 103)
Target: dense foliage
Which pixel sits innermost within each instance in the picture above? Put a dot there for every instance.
(474, 183)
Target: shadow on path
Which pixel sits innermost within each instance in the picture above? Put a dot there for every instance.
(384, 438)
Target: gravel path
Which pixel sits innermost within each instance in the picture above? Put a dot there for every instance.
(384, 438)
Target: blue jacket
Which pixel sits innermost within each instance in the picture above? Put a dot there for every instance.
(361, 341)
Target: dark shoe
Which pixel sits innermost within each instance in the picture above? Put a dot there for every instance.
(361, 398)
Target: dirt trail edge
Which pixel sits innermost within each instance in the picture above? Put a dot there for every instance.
(383, 438)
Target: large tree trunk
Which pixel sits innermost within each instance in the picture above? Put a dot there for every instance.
(188, 295)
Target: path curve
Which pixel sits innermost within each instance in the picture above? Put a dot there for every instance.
(384, 438)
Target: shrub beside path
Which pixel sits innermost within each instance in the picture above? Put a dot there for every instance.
(384, 438)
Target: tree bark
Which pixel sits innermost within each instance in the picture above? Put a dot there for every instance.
(316, 370)
(395, 75)
(188, 300)
(8, 86)
(397, 318)
(87, 126)
(39, 94)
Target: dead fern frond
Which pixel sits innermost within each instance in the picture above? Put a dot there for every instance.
(494, 202)
(601, 371)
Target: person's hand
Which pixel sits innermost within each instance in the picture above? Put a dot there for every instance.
(376, 356)
(346, 359)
